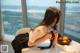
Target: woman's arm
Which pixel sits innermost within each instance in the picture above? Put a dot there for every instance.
(55, 41)
(42, 39)
(37, 33)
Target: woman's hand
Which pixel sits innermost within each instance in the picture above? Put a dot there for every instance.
(55, 38)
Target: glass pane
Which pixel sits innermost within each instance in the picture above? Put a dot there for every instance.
(11, 14)
(36, 10)
(72, 20)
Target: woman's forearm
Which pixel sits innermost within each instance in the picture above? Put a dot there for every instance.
(55, 39)
(42, 39)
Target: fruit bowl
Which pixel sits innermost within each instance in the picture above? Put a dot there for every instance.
(64, 40)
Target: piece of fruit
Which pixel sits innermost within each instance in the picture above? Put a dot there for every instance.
(65, 38)
(64, 41)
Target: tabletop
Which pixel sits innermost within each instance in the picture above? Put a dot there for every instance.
(74, 47)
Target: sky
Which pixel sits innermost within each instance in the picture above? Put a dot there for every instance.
(42, 2)
(11, 2)
(30, 2)
(34, 2)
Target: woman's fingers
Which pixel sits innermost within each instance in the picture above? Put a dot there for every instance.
(55, 39)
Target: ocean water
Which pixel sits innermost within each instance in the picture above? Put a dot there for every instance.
(12, 20)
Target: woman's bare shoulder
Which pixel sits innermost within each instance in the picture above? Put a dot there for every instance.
(41, 27)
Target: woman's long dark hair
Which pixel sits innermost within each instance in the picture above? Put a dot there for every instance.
(51, 14)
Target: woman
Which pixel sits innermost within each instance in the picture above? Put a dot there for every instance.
(44, 31)
(48, 25)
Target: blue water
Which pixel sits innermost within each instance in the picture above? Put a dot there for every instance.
(12, 20)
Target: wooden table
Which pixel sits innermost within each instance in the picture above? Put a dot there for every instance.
(74, 47)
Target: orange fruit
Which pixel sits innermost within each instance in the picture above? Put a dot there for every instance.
(65, 38)
(64, 41)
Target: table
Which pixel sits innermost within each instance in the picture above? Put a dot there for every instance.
(74, 47)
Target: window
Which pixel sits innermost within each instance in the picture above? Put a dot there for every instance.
(36, 10)
(11, 14)
(72, 19)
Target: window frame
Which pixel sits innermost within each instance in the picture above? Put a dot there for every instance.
(62, 8)
(24, 13)
(0, 23)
